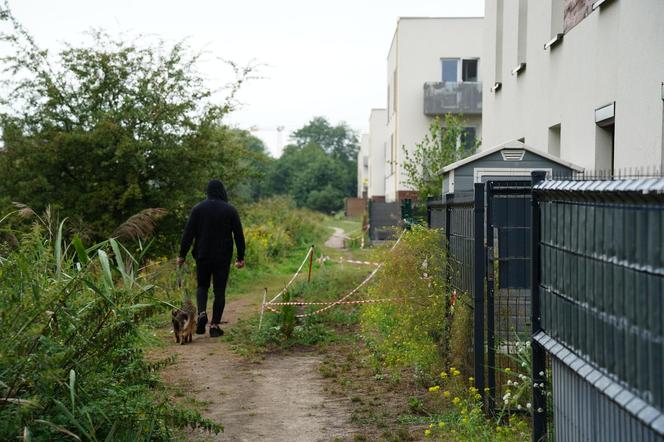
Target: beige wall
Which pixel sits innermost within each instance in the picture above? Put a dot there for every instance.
(417, 48)
(616, 54)
(362, 169)
(377, 146)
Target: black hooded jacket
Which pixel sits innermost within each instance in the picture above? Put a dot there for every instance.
(212, 226)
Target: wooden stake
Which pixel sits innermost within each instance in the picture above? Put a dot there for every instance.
(311, 262)
(260, 321)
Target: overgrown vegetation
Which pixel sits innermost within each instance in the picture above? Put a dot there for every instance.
(71, 361)
(415, 332)
(282, 330)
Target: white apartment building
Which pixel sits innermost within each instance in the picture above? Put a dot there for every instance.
(363, 167)
(377, 143)
(433, 69)
(579, 79)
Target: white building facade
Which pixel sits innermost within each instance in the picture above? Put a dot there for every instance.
(578, 79)
(363, 167)
(377, 147)
(433, 68)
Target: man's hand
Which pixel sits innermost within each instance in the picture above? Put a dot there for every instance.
(239, 263)
(179, 261)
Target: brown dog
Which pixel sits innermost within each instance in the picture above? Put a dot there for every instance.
(184, 322)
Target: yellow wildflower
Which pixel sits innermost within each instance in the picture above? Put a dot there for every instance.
(443, 375)
(446, 393)
(472, 390)
(434, 388)
(427, 432)
(456, 400)
(507, 370)
(471, 379)
(441, 424)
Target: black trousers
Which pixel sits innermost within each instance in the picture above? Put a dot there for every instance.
(217, 271)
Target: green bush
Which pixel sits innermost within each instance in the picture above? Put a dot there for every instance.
(274, 226)
(71, 361)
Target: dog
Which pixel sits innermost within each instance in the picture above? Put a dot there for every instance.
(184, 322)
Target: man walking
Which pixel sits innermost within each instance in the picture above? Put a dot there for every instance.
(212, 226)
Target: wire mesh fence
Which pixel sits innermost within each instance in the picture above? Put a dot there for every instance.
(600, 300)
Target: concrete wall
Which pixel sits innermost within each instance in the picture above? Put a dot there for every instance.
(363, 166)
(417, 48)
(377, 147)
(614, 54)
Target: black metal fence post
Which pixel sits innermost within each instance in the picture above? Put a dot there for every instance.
(478, 288)
(539, 353)
(429, 201)
(447, 200)
(490, 309)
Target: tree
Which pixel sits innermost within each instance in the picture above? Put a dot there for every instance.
(443, 145)
(106, 129)
(320, 168)
(340, 141)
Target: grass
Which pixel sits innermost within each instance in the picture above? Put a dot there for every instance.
(329, 282)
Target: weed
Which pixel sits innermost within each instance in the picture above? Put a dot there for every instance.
(72, 363)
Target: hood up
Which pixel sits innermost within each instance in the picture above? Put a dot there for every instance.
(216, 190)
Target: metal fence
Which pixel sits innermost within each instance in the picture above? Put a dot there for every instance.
(598, 297)
(383, 217)
(508, 310)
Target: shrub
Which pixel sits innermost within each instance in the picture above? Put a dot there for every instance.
(415, 332)
(71, 361)
(463, 417)
(274, 226)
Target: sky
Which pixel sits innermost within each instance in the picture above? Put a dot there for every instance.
(313, 58)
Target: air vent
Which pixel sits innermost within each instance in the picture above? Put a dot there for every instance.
(513, 154)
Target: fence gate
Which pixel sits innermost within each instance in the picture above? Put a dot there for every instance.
(383, 217)
(508, 309)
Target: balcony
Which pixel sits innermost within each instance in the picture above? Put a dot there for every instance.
(442, 98)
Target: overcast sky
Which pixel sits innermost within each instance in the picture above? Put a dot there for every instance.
(323, 58)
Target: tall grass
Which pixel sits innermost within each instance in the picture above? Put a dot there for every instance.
(71, 363)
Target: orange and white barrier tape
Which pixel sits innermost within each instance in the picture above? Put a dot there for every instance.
(311, 250)
(329, 305)
(363, 301)
(343, 260)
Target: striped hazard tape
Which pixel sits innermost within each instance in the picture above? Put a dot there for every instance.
(342, 300)
(343, 260)
(362, 301)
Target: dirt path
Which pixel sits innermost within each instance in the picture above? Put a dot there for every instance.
(336, 241)
(281, 398)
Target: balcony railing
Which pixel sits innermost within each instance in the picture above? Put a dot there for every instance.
(452, 98)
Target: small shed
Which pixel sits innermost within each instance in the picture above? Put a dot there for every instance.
(513, 160)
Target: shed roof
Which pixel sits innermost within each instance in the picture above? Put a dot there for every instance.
(515, 144)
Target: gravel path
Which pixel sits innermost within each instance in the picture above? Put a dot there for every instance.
(336, 241)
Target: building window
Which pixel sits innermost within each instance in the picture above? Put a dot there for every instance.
(456, 70)
(554, 140)
(605, 138)
(468, 139)
(450, 69)
(469, 69)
